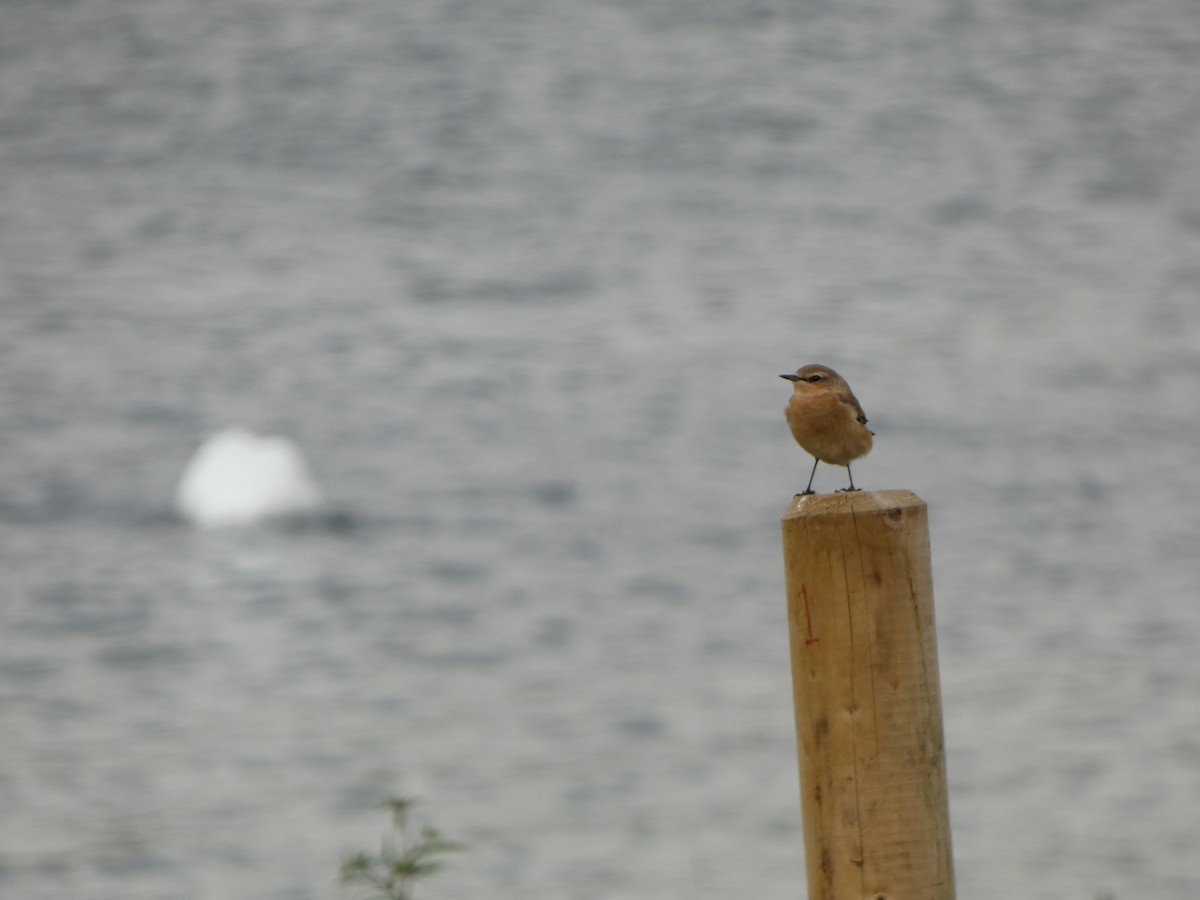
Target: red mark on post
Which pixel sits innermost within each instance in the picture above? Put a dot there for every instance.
(811, 639)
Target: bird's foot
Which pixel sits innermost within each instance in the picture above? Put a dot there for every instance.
(805, 493)
(847, 490)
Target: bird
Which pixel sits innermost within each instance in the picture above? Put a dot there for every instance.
(826, 419)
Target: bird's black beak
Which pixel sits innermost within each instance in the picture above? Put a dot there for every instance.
(791, 377)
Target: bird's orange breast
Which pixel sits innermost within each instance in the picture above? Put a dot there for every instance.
(828, 427)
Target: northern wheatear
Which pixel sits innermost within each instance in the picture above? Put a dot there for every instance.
(826, 419)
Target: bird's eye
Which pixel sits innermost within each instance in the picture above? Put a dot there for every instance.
(815, 378)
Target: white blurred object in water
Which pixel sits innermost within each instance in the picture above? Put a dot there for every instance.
(241, 478)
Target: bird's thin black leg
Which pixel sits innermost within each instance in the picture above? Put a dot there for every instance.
(809, 490)
(851, 475)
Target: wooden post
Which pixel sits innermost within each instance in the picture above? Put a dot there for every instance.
(868, 704)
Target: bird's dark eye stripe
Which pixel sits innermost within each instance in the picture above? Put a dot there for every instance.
(815, 377)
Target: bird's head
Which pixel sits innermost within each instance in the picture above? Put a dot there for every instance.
(815, 375)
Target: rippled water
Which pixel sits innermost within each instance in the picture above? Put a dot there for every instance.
(519, 278)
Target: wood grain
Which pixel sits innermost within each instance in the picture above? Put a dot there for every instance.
(867, 697)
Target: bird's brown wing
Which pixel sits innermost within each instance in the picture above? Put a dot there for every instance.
(850, 400)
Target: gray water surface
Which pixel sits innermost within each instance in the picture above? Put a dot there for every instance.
(518, 278)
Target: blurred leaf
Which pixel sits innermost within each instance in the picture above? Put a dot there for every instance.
(399, 807)
(400, 861)
(354, 867)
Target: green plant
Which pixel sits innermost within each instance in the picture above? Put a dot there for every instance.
(402, 859)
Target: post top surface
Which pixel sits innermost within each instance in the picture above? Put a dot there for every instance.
(850, 503)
